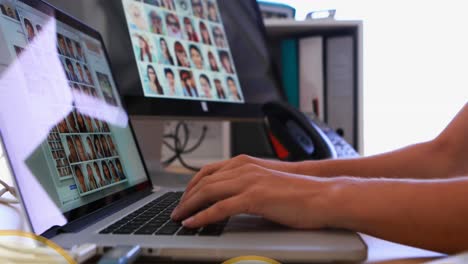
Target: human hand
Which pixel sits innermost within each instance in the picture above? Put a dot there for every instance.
(237, 162)
(292, 200)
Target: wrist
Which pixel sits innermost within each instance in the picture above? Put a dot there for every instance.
(302, 168)
(340, 206)
(294, 167)
(309, 168)
(283, 166)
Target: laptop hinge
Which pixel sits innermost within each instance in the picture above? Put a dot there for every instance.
(85, 221)
(53, 231)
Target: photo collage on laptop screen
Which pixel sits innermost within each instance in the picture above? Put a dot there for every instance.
(85, 145)
(182, 51)
(87, 156)
(82, 147)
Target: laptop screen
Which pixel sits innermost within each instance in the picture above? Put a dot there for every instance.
(65, 131)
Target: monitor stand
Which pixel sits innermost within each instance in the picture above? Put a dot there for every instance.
(149, 133)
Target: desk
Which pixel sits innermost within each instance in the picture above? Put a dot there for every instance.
(379, 251)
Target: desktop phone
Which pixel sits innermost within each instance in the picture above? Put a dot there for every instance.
(295, 136)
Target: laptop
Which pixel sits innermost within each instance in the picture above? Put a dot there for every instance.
(79, 170)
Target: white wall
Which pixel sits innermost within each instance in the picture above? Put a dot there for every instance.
(415, 66)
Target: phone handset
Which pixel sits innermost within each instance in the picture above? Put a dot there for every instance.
(294, 136)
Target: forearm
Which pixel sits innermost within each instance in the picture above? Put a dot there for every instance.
(444, 157)
(429, 214)
(425, 160)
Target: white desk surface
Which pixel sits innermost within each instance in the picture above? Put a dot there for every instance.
(379, 251)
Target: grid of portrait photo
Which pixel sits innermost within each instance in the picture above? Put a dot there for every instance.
(82, 147)
(74, 63)
(88, 142)
(78, 72)
(82, 150)
(181, 50)
(91, 152)
(37, 55)
(58, 154)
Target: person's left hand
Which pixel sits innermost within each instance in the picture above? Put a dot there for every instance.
(292, 200)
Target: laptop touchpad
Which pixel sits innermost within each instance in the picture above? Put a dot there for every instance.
(246, 223)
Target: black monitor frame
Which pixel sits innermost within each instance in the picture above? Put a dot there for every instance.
(161, 108)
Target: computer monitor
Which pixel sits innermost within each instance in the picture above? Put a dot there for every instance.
(192, 58)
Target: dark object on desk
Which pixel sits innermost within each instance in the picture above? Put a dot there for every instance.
(250, 138)
(296, 137)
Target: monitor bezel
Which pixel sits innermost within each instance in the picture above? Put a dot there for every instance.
(145, 186)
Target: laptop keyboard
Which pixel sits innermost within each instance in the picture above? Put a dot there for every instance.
(155, 219)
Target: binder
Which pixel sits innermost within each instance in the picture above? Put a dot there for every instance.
(342, 104)
(340, 86)
(311, 76)
(289, 69)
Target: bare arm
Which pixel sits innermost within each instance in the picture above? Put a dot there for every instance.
(396, 164)
(444, 157)
(429, 214)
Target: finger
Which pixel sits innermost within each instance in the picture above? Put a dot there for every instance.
(205, 171)
(219, 166)
(218, 212)
(207, 195)
(222, 176)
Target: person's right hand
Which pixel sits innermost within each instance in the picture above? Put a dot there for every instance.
(292, 200)
(237, 162)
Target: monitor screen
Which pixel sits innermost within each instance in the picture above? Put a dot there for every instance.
(66, 133)
(181, 50)
(191, 58)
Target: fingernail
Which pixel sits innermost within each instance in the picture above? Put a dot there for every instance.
(189, 221)
(174, 212)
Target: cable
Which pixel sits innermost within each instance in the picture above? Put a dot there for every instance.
(180, 146)
(6, 188)
(16, 252)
